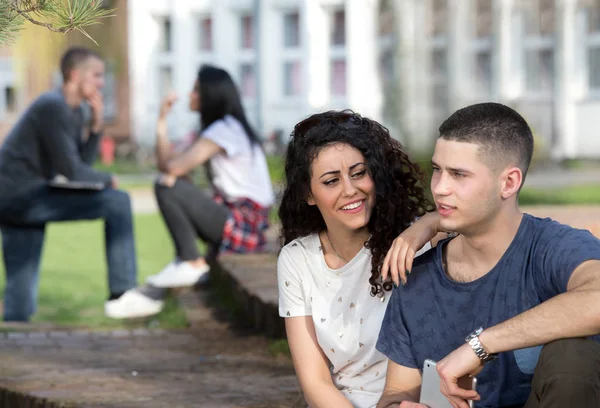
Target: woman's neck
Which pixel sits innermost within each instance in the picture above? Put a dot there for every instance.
(343, 244)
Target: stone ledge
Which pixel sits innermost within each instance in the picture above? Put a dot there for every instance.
(13, 399)
(252, 279)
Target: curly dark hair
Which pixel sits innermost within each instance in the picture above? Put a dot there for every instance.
(399, 195)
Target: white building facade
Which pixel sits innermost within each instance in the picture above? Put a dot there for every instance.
(289, 58)
(541, 57)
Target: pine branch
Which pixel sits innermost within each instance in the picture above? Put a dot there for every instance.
(10, 22)
(61, 16)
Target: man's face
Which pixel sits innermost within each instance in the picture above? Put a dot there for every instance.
(466, 191)
(90, 77)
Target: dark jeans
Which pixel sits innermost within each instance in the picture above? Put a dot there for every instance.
(23, 223)
(567, 375)
(190, 213)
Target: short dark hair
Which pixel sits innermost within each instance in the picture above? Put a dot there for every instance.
(73, 58)
(503, 135)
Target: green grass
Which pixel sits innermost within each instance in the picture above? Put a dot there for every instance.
(279, 347)
(582, 195)
(73, 278)
(276, 168)
(124, 166)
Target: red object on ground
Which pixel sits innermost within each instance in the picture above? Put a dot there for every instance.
(107, 150)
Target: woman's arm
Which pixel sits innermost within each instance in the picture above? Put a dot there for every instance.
(311, 365)
(163, 145)
(401, 254)
(177, 165)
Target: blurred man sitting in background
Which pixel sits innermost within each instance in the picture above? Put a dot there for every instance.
(47, 144)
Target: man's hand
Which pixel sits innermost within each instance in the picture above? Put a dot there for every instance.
(461, 362)
(167, 105)
(97, 105)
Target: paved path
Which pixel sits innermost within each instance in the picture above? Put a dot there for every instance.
(207, 365)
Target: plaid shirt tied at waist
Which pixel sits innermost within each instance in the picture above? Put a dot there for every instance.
(244, 230)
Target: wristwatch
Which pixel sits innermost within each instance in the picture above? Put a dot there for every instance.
(473, 341)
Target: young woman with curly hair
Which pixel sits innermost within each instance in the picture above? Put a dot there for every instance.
(351, 190)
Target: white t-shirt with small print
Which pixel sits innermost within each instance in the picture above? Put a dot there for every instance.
(346, 317)
(241, 171)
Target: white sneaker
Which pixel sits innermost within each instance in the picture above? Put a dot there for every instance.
(165, 271)
(183, 275)
(132, 304)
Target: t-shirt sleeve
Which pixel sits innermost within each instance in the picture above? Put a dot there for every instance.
(563, 249)
(425, 248)
(394, 339)
(290, 273)
(228, 134)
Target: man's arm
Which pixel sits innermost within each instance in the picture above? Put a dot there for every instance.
(89, 148)
(575, 313)
(55, 124)
(402, 384)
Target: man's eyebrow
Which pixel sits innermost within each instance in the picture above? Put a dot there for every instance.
(452, 169)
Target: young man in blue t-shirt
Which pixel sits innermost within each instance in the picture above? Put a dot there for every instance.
(513, 299)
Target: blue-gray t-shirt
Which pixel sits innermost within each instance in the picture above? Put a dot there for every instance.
(431, 316)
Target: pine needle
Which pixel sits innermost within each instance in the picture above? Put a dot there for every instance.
(60, 16)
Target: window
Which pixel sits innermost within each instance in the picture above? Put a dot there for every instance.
(538, 17)
(248, 80)
(165, 34)
(438, 18)
(337, 54)
(206, 39)
(386, 18)
(539, 70)
(338, 77)
(484, 20)
(338, 28)
(165, 81)
(109, 92)
(592, 11)
(291, 27)
(438, 43)
(10, 99)
(591, 8)
(291, 78)
(481, 47)
(483, 71)
(594, 68)
(247, 40)
(439, 77)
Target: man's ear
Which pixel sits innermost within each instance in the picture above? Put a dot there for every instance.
(73, 75)
(512, 179)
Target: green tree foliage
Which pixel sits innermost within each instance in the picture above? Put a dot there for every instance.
(61, 16)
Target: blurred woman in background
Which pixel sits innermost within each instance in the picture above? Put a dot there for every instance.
(236, 217)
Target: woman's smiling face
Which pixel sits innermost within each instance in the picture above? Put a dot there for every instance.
(341, 187)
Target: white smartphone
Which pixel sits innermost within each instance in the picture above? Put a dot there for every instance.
(431, 395)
